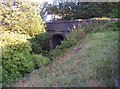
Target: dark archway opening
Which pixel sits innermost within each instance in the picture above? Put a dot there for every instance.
(56, 40)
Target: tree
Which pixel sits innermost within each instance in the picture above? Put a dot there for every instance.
(83, 10)
(18, 24)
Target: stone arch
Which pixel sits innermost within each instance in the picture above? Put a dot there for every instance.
(56, 40)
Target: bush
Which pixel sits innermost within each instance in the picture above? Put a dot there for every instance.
(40, 60)
(54, 53)
(16, 61)
(24, 19)
(39, 43)
(18, 24)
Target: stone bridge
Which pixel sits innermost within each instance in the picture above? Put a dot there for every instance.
(59, 29)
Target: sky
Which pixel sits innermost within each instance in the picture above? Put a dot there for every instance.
(41, 1)
(48, 17)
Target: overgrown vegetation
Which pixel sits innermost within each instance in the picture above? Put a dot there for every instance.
(20, 22)
(40, 60)
(23, 40)
(92, 62)
(39, 44)
(77, 34)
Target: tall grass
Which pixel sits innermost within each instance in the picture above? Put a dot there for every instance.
(77, 34)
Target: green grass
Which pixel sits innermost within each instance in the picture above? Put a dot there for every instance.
(96, 61)
(100, 57)
(95, 64)
(87, 58)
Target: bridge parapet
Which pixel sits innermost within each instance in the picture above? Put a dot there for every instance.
(63, 26)
(66, 26)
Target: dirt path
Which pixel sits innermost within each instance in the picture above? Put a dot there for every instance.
(70, 54)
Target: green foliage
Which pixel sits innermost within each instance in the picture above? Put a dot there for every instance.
(40, 60)
(83, 10)
(73, 38)
(96, 63)
(115, 13)
(78, 34)
(24, 19)
(39, 43)
(16, 61)
(18, 24)
(54, 53)
(68, 42)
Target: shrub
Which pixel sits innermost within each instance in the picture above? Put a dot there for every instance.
(39, 43)
(54, 53)
(17, 26)
(24, 19)
(16, 61)
(40, 60)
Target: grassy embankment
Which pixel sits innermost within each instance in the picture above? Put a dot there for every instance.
(93, 61)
